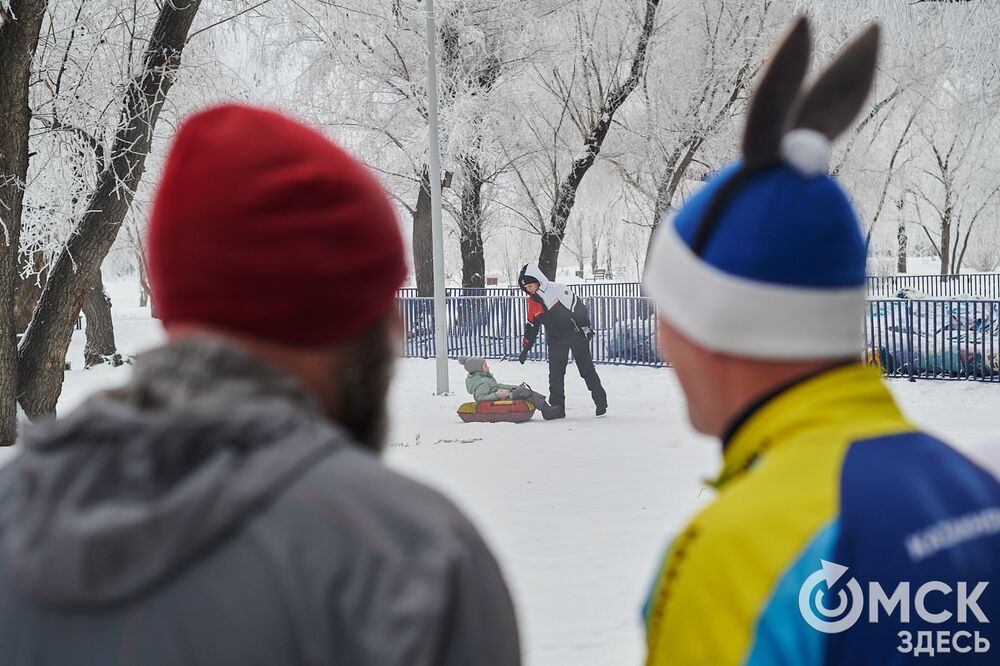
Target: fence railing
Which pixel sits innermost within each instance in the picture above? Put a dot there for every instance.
(492, 327)
(619, 289)
(984, 285)
(915, 339)
(934, 339)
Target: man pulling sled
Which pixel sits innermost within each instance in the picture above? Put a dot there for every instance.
(567, 328)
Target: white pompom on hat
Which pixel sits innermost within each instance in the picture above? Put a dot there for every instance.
(807, 151)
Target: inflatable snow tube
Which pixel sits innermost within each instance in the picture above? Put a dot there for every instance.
(875, 356)
(496, 411)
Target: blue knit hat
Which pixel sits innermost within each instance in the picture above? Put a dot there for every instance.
(768, 259)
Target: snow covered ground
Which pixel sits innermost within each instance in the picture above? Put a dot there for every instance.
(579, 510)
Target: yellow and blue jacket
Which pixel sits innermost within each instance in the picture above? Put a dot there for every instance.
(824, 485)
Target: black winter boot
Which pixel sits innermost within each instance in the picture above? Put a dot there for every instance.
(602, 409)
(550, 412)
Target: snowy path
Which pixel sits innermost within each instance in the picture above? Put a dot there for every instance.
(578, 510)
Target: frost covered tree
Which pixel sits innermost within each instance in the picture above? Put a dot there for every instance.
(70, 163)
(20, 24)
(913, 156)
(103, 74)
(686, 109)
(363, 74)
(524, 87)
(954, 178)
(959, 186)
(603, 57)
(42, 351)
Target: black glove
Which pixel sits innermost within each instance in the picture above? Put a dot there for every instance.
(588, 333)
(523, 356)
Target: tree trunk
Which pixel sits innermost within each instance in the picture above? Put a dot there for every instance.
(890, 172)
(100, 345)
(29, 290)
(682, 157)
(945, 247)
(473, 259)
(901, 240)
(423, 245)
(25, 299)
(548, 256)
(471, 225)
(144, 289)
(666, 191)
(42, 352)
(18, 39)
(552, 236)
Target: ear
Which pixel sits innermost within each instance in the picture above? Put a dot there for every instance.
(839, 94)
(775, 96)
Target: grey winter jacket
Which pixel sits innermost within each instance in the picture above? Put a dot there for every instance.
(208, 515)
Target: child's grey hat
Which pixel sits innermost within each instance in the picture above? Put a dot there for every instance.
(472, 363)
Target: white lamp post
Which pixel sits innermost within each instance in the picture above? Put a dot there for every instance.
(437, 235)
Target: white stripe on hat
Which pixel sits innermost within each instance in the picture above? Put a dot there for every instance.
(743, 317)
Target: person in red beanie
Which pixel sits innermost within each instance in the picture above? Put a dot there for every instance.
(228, 506)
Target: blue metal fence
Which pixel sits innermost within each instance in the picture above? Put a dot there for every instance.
(915, 339)
(492, 327)
(934, 339)
(619, 289)
(983, 285)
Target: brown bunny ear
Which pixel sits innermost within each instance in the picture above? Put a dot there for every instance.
(775, 96)
(835, 100)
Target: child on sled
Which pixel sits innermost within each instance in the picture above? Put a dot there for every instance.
(483, 386)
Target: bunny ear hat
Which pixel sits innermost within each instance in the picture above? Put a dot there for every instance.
(768, 260)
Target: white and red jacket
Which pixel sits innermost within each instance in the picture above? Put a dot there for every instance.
(554, 306)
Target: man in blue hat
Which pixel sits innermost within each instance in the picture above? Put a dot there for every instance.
(841, 534)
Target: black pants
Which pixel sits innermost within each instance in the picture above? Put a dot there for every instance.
(559, 358)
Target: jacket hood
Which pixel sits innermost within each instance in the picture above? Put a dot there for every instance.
(140, 481)
(532, 271)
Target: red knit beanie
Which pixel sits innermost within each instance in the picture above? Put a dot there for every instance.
(264, 227)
